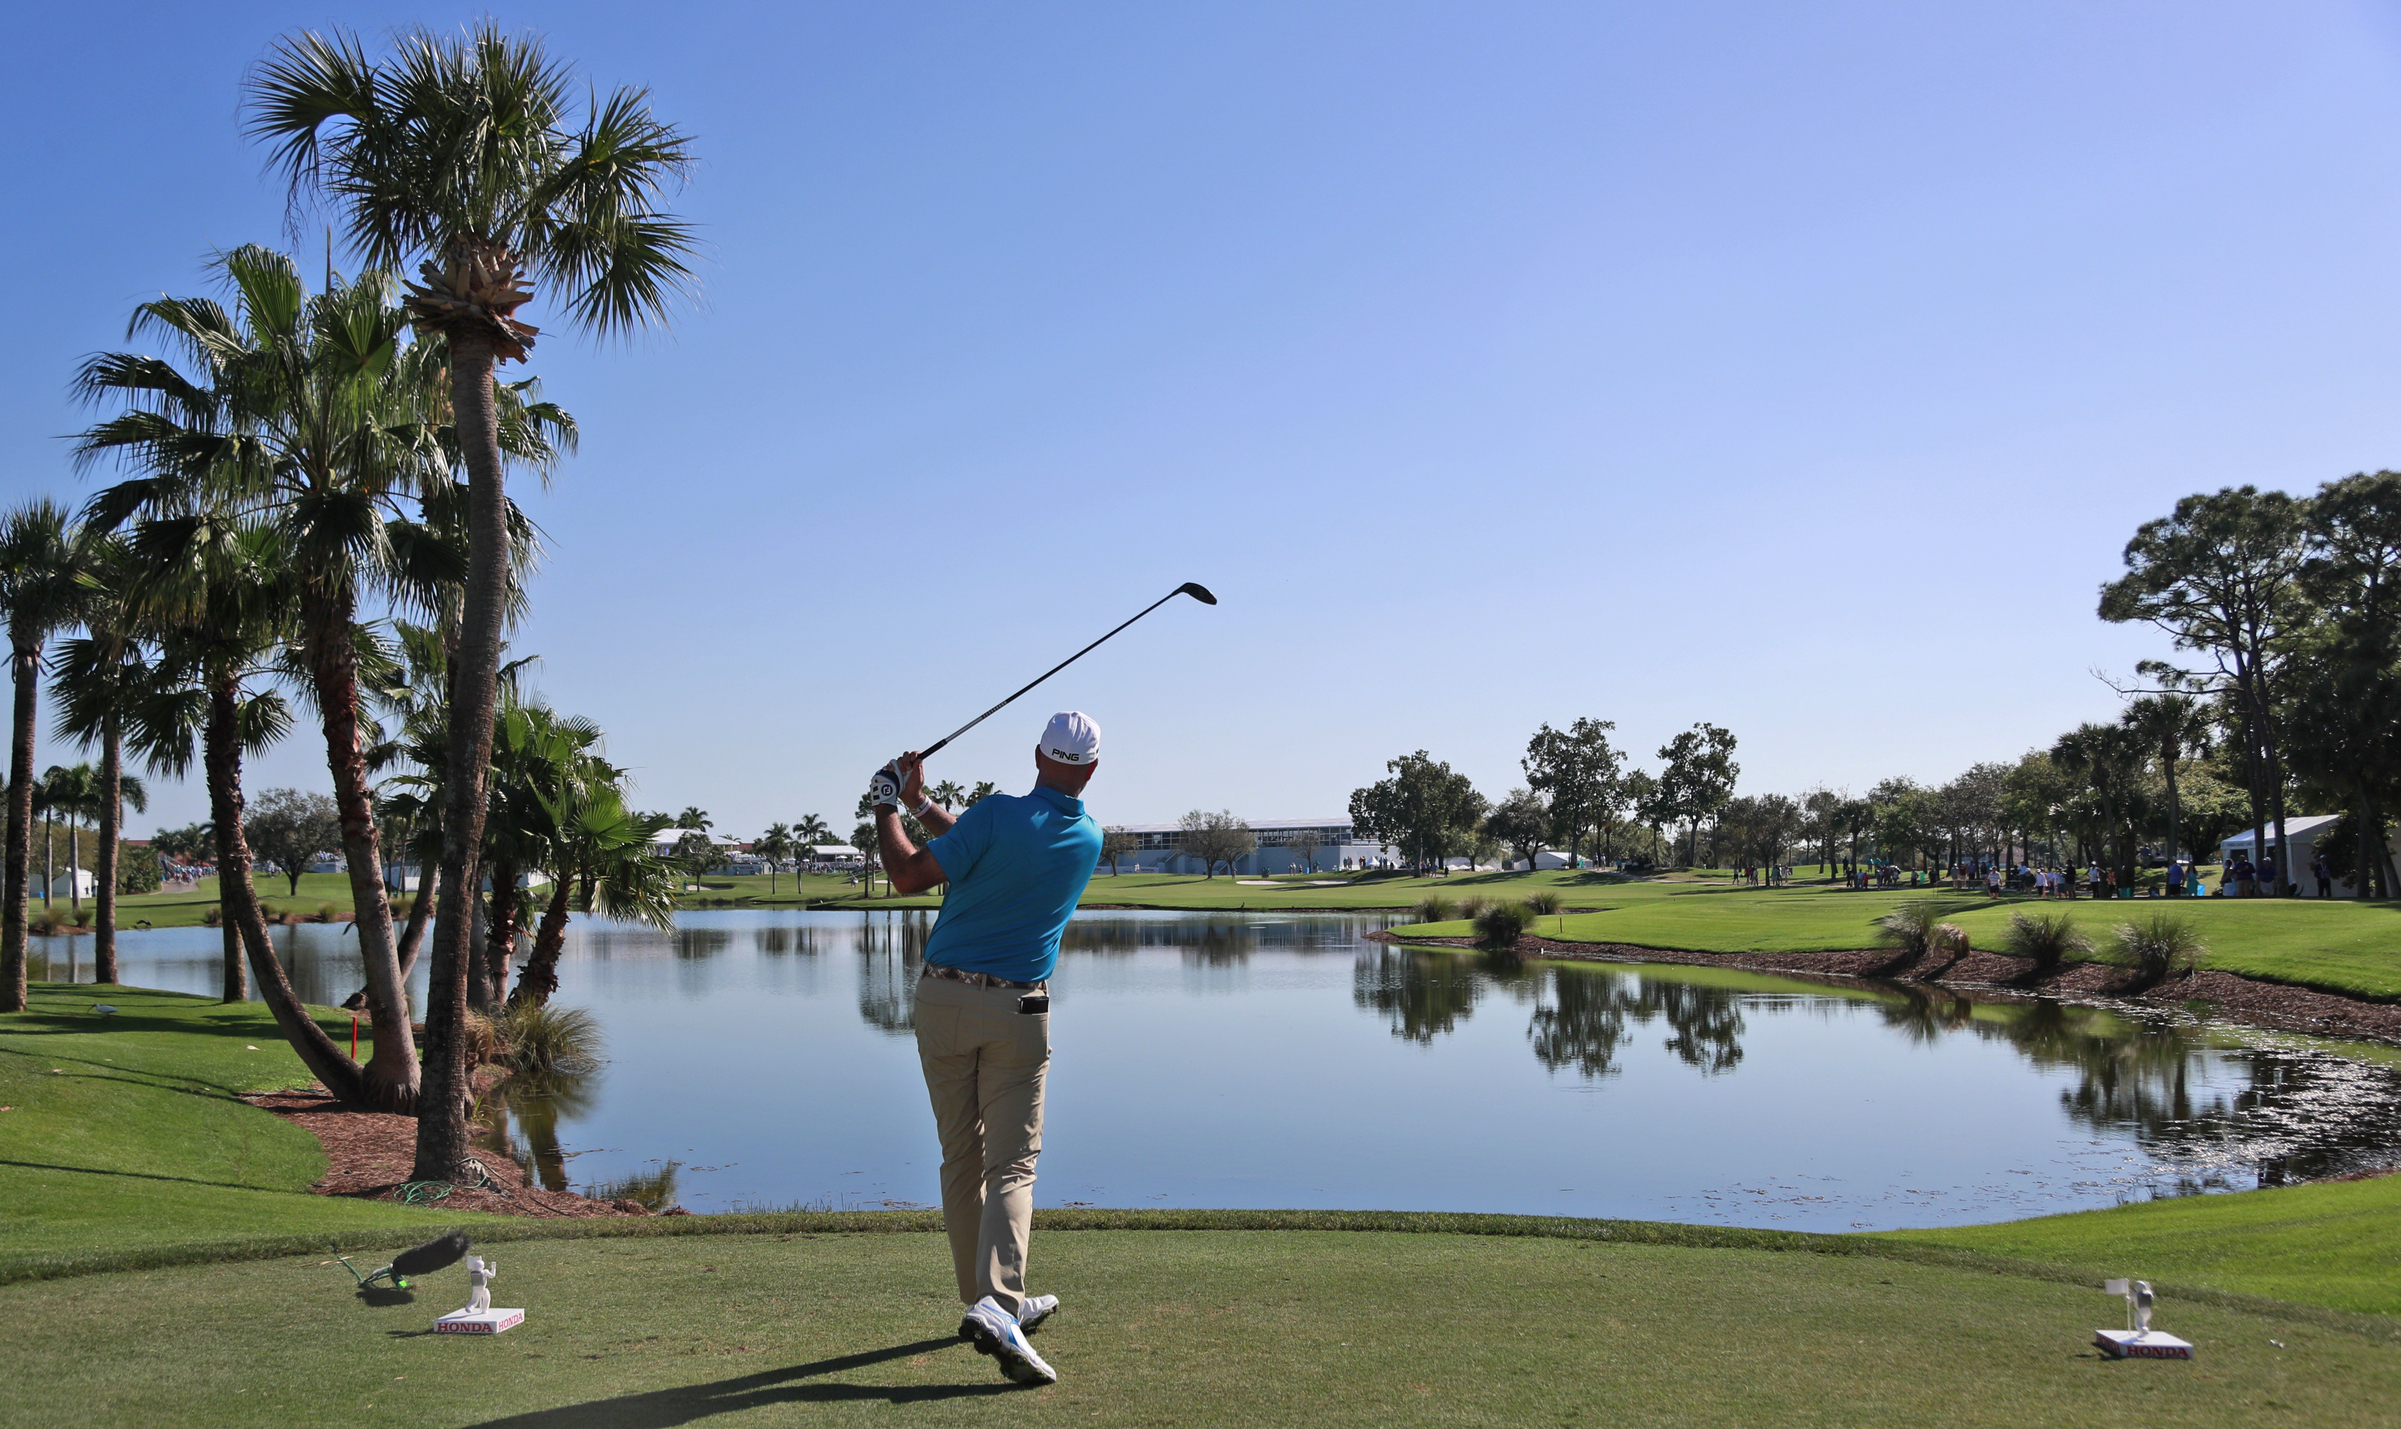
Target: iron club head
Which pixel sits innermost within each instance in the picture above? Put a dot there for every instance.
(1197, 591)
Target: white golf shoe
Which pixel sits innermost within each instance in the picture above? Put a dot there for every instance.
(1001, 1335)
(1035, 1310)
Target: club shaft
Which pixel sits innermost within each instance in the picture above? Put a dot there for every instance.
(1053, 670)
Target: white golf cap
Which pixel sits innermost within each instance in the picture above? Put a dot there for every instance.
(1071, 738)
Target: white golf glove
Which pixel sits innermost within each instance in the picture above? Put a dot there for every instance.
(884, 789)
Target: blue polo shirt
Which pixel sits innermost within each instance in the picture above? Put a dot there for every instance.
(1016, 867)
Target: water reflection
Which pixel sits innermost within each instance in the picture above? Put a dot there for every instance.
(519, 1118)
(2186, 1094)
(1875, 1106)
(1426, 995)
(891, 951)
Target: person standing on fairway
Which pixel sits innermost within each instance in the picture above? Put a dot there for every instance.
(1016, 867)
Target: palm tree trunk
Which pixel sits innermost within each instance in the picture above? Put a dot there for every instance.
(412, 935)
(112, 834)
(224, 767)
(333, 670)
(237, 977)
(540, 978)
(24, 670)
(445, 1097)
(74, 864)
(499, 945)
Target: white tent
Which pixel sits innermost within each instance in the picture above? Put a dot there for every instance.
(74, 883)
(2304, 830)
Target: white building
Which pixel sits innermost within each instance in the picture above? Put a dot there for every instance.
(1285, 846)
(664, 841)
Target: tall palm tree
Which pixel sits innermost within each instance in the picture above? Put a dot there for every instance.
(99, 676)
(41, 592)
(2110, 759)
(2174, 726)
(224, 599)
(610, 850)
(51, 794)
(308, 412)
(775, 846)
(948, 793)
(465, 152)
(74, 795)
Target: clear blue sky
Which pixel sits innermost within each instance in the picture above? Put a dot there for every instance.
(1797, 368)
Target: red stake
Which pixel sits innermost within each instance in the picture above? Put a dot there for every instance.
(353, 1036)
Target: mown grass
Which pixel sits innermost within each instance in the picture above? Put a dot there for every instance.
(2336, 1244)
(134, 1156)
(126, 1135)
(1163, 1327)
(2344, 946)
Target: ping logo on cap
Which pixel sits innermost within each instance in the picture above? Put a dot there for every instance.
(1071, 738)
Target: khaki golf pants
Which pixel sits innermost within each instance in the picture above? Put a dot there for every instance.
(984, 1065)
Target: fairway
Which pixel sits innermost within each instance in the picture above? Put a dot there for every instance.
(1199, 1327)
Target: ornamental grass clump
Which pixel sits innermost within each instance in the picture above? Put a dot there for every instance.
(2044, 939)
(1543, 904)
(1501, 925)
(1912, 926)
(540, 1037)
(1473, 905)
(2156, 947)
(1433, 908)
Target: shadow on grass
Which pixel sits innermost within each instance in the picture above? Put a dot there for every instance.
(663, 1407)
(136, 1175)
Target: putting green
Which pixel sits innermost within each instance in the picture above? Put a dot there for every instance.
(1201, 1327)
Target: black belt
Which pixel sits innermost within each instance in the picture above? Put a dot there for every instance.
(979, 979)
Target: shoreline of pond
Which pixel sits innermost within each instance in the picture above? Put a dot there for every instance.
(2273, 1006)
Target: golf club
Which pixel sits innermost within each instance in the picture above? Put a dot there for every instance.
(1195, 590)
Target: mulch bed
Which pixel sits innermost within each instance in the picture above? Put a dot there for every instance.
(2264, 1004)
(370, 1154)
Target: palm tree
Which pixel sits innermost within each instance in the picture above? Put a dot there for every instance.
(464, 152)
(310, 413)
(694, 817)
(50, 794)
(807, 834)
(75, 793)
(948, 793)
(2110, 758)
(2173, 725)
(609, 849)
(224, 598)
(41, 592)
(775, 846)
(99, 677)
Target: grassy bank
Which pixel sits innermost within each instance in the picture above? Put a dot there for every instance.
(2337, 1244)
(2349, 947)
(126, 1135)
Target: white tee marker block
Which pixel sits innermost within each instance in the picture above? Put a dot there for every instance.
(481, 1322)
(2142, 1345)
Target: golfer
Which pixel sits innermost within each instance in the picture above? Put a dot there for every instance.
(1016, 867)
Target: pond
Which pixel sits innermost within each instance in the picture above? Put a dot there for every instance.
(765, 1059)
